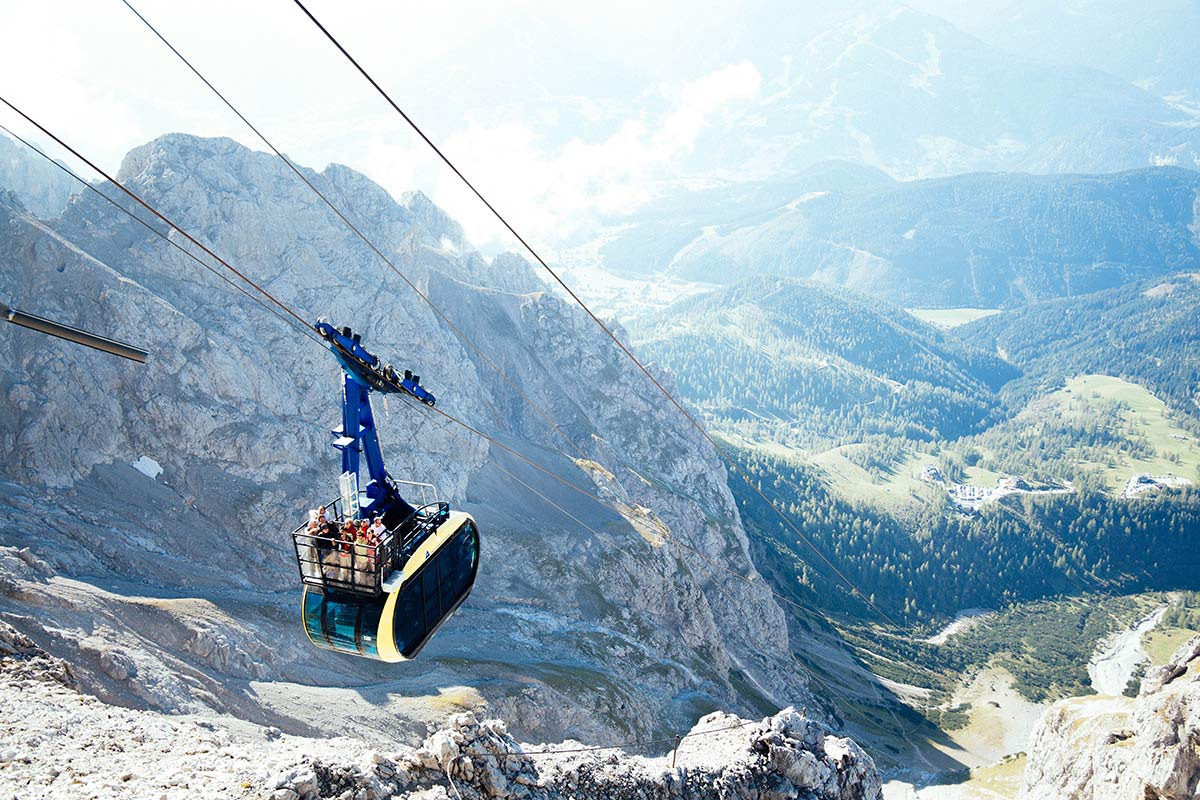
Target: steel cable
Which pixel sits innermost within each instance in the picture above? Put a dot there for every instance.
(357, 231)
(156, 213)
(310, 332)
(288, 321)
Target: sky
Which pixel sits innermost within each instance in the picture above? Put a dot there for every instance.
(559, 112)
(563, 114)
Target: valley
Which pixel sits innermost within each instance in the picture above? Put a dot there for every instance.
(947, 318)
(1003, 474)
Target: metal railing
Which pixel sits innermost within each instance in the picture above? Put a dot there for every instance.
(419, 524)
(363, 567)
(359, 567)
(418, 494)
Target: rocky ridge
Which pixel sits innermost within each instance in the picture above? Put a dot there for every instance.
(56, 742)
(1120, 748)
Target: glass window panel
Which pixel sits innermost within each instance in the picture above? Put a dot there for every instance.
(368, 643)
(459, 566)
(408, 624)
(433, 603)
(312, 616)
(341, 623)
(448, 573)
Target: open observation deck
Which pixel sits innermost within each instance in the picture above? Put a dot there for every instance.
(366, 569)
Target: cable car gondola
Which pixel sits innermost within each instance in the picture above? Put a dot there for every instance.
(383, 597)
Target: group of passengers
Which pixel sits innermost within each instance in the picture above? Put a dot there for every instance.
(323, 524)
(347, 549)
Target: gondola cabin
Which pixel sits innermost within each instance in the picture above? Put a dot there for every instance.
(355, 604)
(379, 591)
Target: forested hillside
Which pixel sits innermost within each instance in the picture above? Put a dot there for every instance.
(942, 470)
(1148, 333)
(931, 565)
(806, 363)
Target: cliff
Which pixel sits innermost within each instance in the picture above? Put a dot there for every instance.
(56, 742)
(1120, 748)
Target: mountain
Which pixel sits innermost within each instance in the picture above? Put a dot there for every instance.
(649, 242)
(778, 357)
(908, 92)
(972, 240)
(856, 418)
(914, 92)
(148, 755)
(1156, 49)
(179, 592)
(41, 187)
(887, 85)
(1146, 333)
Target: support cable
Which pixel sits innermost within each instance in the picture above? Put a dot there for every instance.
(158, 214)
(411, 285)
(854, 589)
(310, 331)
(300, 174)
(91, 187)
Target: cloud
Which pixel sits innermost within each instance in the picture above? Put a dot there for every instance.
(701, 99)
(555, 193)
(558, 137)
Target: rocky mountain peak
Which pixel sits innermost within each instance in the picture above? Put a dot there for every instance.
(41, 187)
(434, 219)
(179, 154)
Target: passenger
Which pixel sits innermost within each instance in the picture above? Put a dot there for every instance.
(364, 560)
(322, 541)
(373, 540)
(336, 556)
(307, 552)
(351, 555)
(377, 529)
(316, 521)
(328, 515)
(330, 555)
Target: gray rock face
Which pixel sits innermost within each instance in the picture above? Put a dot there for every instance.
(783, 756)
(178, 592)
(1118, 748)
(56, 742)
(40, 187)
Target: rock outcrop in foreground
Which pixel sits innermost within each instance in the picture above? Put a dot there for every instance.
(56, 742)
(1117, 748)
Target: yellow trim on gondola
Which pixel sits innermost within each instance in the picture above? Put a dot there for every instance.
(304, 622)
(385, 639)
